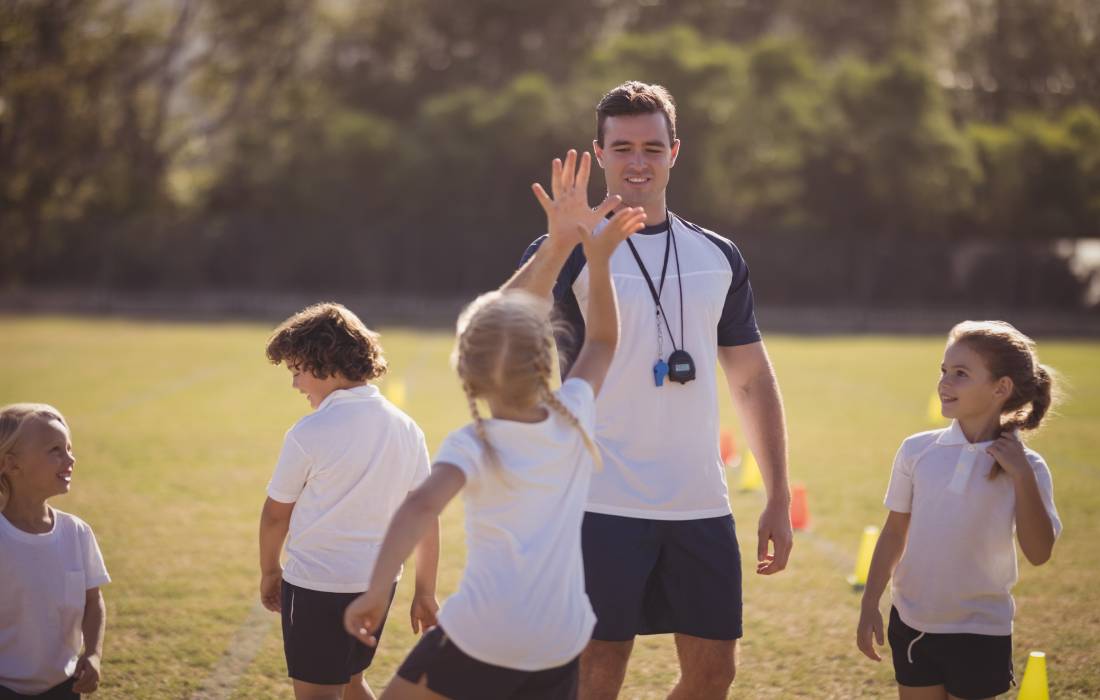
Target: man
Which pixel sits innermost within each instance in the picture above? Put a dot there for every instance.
(660, 552)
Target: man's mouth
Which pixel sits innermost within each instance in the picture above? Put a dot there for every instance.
(637, 180)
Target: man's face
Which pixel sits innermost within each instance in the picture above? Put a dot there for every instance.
(636, 157)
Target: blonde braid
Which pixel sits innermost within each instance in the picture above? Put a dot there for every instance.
(562, 410)
(492, 457)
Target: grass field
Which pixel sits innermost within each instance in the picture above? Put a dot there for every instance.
(176, 428)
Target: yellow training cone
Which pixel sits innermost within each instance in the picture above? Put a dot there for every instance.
(751, 480)
(935, 417)
(1034, 686)
(395, 392)
(858, 579)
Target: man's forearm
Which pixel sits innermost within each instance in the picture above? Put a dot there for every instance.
(538, 275)
(761, 409)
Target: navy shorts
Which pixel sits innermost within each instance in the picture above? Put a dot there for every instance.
(660, 576)
(61, 691)
(454, 674)
(966, 665)
(318, 649)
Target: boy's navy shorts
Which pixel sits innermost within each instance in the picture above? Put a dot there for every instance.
(966, 665)
(61, 691)
(454, 674)
(318, 649)
(659, 576)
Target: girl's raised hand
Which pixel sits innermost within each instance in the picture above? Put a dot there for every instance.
(568, 208)
(363, 616)
(599, 246)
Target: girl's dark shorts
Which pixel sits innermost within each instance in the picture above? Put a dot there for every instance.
(454, 674)
(966, 665)
(660, 576)
(318, 649)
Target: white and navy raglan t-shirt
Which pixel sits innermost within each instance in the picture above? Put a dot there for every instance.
(660, 444)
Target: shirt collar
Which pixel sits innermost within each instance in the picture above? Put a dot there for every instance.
(954, 435)
(366, 391)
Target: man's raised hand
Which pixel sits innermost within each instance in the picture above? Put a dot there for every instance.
(568, 208)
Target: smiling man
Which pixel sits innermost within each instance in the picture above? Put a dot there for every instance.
(660, 552)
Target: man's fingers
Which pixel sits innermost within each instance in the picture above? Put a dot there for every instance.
(762, 538)
(878, 633)
(569, 175)
(544, 199)
(583, 172)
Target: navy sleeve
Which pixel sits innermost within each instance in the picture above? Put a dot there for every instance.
(737, 326)
(568, 320)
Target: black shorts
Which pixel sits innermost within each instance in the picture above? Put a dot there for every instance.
(61, 691)
(318, 649)
(456, 675)
(660, 576)
(966, 665)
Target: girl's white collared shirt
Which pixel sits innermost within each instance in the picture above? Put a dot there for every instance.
(959, 564)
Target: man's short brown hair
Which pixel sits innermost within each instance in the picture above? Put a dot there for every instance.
(325, 339)
(635, 97)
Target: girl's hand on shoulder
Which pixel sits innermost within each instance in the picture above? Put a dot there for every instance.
(422, 613)
(86, 674)
(1009, 453)
(869, 632)
(363, 616)
(600, 246)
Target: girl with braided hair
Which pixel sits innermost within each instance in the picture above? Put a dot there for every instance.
(957, 499)
(520, 618)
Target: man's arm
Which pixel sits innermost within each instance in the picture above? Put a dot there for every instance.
(755, 394)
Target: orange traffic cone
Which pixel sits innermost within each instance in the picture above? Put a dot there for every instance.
(800, 508)
(727, 445)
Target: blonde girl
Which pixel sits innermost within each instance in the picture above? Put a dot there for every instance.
(520, 617)
(52, 615)
(958, 497)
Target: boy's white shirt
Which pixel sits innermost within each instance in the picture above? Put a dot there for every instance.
(959, 565)
(42, 592)
(521, 602)
(347, 467)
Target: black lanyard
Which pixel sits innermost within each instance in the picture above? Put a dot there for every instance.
(670, 242)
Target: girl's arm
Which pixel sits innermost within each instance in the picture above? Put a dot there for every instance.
(93, 626)
(425, 605)
(891, 543)
(601, 334)
(1034, 528)
(410, 524)
(274, 524)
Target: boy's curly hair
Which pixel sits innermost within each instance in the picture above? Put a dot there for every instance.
(324, 339)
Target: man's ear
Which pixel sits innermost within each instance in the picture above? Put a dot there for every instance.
(597, 149)
(675, 151)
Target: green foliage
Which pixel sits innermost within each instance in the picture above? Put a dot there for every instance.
(349, 145)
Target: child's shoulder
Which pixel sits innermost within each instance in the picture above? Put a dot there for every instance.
(67, 522)
(920, 441)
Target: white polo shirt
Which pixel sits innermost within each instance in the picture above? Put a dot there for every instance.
(959, 564)
(43, 582)
(660, 443)
(521, 602)
(346, 467)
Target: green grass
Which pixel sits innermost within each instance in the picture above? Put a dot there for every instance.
(176, 427)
